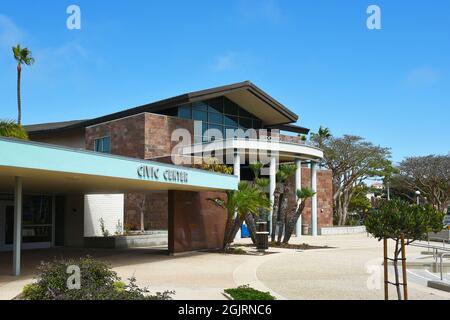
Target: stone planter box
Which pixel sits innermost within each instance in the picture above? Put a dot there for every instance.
(326, 231)
(122, 242)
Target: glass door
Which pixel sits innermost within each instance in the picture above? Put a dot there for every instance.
(6, 225)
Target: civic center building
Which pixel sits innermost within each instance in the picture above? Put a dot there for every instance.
(135, 171)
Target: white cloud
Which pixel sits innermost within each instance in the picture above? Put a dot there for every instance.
(225, 62)
(10, 33)
(259, 10)
(422, 76)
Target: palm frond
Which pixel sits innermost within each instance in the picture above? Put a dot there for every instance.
(11, 129)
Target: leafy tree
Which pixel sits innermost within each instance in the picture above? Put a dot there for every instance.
(352, 160)
(396, 218)
(239, 203)
(430, 175)
(22, 56)
(12, 130)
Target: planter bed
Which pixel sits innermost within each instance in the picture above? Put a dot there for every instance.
(154, 239)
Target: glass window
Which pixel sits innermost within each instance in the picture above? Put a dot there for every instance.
(199, 115)
(103, 145)
(215, 105)
(231, 121)
(257, 124)
(231, 108)
(37, 219)
(184, 112)
(245, 122)
(200, 106)
(243, 113)
(215, 118)
(216, 132)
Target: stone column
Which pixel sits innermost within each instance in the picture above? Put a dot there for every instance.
(272, 185)
(314, 199)
(298, 186)
(237, 172)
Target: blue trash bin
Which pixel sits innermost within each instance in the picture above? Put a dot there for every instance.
(244, 231)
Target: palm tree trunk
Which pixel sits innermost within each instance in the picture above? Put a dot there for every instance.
(251, 226)
(19, 104)
(283, 213)
(290, 224)
(276, 205)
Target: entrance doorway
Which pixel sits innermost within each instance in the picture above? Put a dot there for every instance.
(37, 223)
(6, 225)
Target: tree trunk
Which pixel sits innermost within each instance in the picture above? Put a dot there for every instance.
(276, 205)
(251, 226)
(19, 103)
(231, 230)
(290, 224)
(283, 213)
(397, 277)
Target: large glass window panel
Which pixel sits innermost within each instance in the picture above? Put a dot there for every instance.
(215, 132)
(229, 132)
(199, 115)
(245, 122)
(257, 124)
(231, 108)
(244, 113)
(184, 112)
(37, 219)
(216, 118)
(215, 105)
(200, 106)
(231, 121)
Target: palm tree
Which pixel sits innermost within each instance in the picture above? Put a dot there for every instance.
(291, 220)
(22, 56)
(239, 203)
(12, 130)
(280, 203)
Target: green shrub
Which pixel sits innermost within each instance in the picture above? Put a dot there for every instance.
(12, 130)
(32, 291)
(247, 293)
(97, 282)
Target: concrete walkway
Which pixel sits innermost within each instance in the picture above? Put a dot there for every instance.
(350, 269)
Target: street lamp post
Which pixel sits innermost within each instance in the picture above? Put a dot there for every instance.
(418, 197)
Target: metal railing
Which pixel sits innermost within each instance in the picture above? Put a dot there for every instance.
(436, 254)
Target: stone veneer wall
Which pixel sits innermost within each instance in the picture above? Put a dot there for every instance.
(197, 222)
(143, 136)
(324, 197)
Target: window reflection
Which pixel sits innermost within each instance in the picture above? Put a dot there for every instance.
(221, 114)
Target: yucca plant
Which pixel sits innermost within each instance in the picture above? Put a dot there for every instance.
(11, 129)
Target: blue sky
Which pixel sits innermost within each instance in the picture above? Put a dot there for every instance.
(391, 86)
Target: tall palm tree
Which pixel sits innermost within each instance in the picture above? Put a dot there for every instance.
(22, 56)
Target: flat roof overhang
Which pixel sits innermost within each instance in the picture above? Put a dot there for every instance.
(285, 151)
(52, 169)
